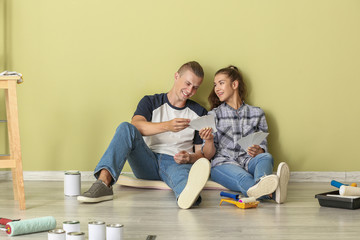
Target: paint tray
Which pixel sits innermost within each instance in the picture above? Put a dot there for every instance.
(337, 202)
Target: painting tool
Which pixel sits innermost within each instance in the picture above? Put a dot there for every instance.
(339, 184)
(14, 228)
(349, 191)
(151, 237)
(4, 221)
(230, 195)
(240, 204)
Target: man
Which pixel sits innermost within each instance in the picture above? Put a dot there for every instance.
(158, 143)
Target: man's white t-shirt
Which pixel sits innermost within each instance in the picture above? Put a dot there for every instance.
(157, 108)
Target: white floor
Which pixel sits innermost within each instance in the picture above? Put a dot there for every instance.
(154, 212)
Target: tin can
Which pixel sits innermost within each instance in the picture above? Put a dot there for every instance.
(75, 236)
(56, 234)
(97, 230)
(71, 226)
(114, 231)
(72, 183)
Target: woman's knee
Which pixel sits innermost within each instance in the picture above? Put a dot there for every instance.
(266, 157)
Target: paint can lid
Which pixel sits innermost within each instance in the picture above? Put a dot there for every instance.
(115, 225)
(96, 223)
(57, 231)
(71, 222)
(72, 172)
(75, 233)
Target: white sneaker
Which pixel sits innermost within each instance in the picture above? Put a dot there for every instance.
(198, 176)
(283, 173)
(265, 186)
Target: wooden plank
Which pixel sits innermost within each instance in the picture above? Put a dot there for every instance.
(7, 163)
(9, 78)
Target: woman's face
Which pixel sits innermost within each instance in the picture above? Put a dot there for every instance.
(223, 87)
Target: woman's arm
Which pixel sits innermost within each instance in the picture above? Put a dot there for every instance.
(208, 149)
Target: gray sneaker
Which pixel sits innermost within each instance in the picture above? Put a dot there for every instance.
(265, 186)
(198, 176)
(98, 192)
(283, 173)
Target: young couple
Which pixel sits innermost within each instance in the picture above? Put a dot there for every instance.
(159, 145)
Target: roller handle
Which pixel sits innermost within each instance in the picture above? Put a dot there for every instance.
(230, 195)
(4, 221)
(337, 184)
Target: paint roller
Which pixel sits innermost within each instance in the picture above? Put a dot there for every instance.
(236, 197)
(339, 184)
(349, 191)
(33, 225)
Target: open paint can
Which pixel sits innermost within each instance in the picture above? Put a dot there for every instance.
(97, 230)
(71, 226)
(57, 234)
(72, 183)
(114, 231)
(75, 236)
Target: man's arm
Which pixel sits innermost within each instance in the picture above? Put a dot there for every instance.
(149, 128)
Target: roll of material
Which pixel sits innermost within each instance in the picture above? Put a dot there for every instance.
(30, 226)
(349, 191)
(247, 200)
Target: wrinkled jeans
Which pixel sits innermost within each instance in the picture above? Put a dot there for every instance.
(237, 179)
(128, 144)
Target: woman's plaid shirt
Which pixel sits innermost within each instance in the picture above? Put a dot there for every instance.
(232, 125)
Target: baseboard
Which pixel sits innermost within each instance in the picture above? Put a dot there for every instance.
(88, 176)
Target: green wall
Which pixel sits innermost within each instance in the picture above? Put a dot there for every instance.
(87, 63)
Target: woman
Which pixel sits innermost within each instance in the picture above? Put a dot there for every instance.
(249, 171)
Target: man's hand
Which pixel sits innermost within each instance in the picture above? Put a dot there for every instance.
(206, 134)
(177, 124)
(254, 150)
(182, 157)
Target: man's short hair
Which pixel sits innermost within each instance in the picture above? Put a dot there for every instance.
(193, 66)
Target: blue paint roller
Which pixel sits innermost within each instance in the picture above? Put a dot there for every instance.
(230, 195)
(339, 184)
(30, 226)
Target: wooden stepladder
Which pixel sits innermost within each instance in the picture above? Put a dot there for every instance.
(13, 160)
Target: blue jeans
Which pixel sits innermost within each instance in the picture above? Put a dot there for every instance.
(237, 179)
(128, 144)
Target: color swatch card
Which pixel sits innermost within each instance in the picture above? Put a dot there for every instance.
(203, 122)
(252, 139)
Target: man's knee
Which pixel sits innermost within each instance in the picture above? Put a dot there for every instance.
(125, 127)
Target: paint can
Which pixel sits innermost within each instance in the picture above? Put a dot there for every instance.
(114, 231)
(75, 236)
(71, 226)
(72, 183)
(57, 234)
(97, 230)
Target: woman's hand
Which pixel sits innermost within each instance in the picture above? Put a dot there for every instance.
(255, 150)
(206, 134)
